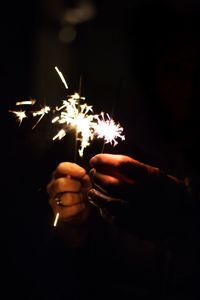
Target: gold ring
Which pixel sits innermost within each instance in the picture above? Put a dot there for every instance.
(58, 201)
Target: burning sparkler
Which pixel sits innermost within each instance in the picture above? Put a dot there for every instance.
(76, 116)
(73, 114)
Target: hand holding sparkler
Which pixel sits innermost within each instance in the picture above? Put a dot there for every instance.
(68, 193)
(73, 114)
(132, 192)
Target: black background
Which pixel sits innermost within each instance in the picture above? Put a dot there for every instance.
(117, 53)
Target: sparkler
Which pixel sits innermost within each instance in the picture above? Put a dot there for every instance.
(72, 115)
(78, 117)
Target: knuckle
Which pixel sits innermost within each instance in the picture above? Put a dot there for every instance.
(70, 199)
(73, 211)
(60, 185)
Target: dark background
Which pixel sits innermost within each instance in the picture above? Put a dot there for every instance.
(119, 51)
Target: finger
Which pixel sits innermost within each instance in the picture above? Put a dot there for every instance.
(103, 179)
(120, 166)
(67, 213)
(100, 199)
(70, 199)
(86, 181)
(62, 185)
(108, 182)
(70, 169)
(109, 206)
(113, 160)
(114, 165)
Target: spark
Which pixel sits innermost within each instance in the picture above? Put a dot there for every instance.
(54, 120)
(77, 96)
(107, 129)
(61, 133)
(61, 77)
(76, 116)
(56, 220)
(20, 115)
(41, 113)
(73, 115)
(28, 102)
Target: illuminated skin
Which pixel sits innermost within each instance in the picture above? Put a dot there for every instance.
(117, 173)
(71, 183)
(110, 172)
(123, 189)
(128, 191)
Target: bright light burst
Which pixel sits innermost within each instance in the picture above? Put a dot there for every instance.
(107, 129)
(76, 116)
(73, 114)
(20, 115)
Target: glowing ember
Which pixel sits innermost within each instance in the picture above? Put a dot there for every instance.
(41, 113)
(28, 102)
(56, 220)
(61, 77)
(20, 115)
(107, 129)
(61, 133)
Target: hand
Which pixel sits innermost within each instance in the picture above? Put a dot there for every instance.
(117, 175)
(70, 185)
(131, 191)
